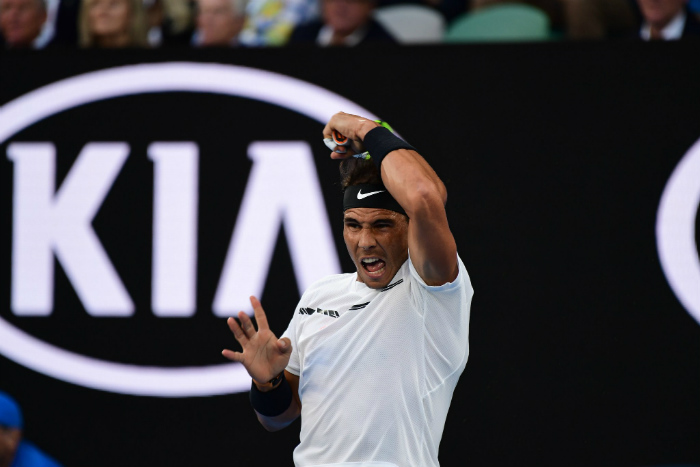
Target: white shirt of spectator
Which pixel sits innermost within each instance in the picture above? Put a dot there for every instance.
(672, 31)
(325, 35)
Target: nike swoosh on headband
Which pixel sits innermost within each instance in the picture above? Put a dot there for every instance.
(361, 195)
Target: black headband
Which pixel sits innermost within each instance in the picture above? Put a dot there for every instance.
(370, 196)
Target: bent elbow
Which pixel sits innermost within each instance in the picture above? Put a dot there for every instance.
(426, 197)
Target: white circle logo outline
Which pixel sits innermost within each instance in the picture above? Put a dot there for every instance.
(281, 90)
(675, 231)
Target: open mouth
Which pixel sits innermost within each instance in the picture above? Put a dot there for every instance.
(373, 266)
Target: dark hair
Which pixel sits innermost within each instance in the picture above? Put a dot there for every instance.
(354, 171)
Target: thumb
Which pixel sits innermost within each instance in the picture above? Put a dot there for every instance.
(284, 345)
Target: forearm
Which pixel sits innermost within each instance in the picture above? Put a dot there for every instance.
(406, 174)
(422, 195)
(413, 183)
(276, 405)
(280, 421)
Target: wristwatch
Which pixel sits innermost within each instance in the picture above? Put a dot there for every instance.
(276, 380)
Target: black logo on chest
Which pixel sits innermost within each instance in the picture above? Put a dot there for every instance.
(311, 311)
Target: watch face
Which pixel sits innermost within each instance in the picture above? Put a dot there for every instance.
(277, 379)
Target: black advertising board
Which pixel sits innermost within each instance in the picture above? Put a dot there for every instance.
(146, 194)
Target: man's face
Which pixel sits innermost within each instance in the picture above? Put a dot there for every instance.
(109, 17)
(218, 22)
(9, 440)
(345, 16)
(660, 12)
(377, 240)
(21, 21)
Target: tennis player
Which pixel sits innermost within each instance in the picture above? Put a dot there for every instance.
(370, 360)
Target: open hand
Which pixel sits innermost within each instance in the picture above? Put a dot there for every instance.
(263, 356)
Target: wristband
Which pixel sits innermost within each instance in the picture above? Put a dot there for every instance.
(273, 402)
(380, 141)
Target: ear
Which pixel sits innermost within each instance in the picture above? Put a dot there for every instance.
(15, 435)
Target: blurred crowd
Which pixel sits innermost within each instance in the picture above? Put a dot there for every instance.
(42, 24)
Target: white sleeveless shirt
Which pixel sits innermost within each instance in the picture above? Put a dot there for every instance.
(377, 368)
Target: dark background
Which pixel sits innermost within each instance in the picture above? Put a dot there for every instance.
(554, 156)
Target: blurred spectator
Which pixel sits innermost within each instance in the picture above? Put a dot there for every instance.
(667, 20)
(14, 450)
(179, 15)
(61, 25)
(271, 22)
(219, 22)
(600, 19)
(163, 28)
(21, 22)
(113, 24)
(345, 23)
(155, 17)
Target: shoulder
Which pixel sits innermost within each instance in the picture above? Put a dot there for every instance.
(28, 455)
(461, 282)
(377, 33)
(306, 32)
(330, 283)
(692, 26)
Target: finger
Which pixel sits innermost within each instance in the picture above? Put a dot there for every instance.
(328, 131)
(331, 125)
(237, 331)
(233, 356)
(330, 144)
(336, 155)
(246, 324)
(260, 316)
(284, 345)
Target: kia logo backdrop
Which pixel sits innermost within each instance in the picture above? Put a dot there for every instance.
(676, 232)
(282, 189)
(145, 195)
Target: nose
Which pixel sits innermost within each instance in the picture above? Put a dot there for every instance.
(366, 240)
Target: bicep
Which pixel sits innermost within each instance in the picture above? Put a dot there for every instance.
(418, 189)
(432, 246)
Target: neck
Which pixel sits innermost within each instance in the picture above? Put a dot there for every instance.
(339, 38)
(655, 32)
(656, 28)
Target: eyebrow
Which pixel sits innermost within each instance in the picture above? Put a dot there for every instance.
(349, 220)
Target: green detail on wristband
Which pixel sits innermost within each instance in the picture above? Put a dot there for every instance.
(365, 155)
(385, 125)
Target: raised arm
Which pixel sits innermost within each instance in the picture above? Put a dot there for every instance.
(275, 391)
(416, 187)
